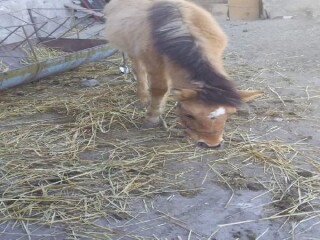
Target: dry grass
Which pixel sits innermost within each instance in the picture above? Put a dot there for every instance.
(48, 174)
(72, 156)
(40, 53)
(295, 189)
(3, 66)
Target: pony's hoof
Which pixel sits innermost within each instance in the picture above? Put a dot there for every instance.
(151, 122)
(150, 125)
(140, 105)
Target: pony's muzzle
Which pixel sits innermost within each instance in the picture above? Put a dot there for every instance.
(202, 144)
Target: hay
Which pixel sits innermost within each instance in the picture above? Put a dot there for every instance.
(48, 174)
(3, 66)
(73, 156)
(40, 53)
(295, 189)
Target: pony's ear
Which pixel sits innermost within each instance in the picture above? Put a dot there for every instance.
(247, 95)
(184, 94)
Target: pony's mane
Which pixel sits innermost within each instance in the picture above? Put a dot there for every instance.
(171, 36)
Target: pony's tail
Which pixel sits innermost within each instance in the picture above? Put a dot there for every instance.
(171, 36)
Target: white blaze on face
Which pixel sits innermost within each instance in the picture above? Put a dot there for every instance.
(218, 112)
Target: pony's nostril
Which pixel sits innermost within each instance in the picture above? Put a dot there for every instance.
(202, 145)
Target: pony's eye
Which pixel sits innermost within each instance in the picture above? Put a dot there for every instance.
(190, 116)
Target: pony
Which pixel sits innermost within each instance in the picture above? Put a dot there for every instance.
(177, 45)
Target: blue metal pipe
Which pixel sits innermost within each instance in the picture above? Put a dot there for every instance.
(52, 66)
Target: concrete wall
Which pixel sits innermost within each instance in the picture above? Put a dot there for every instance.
(219, 8)
(208, 3)
(277, 8)
(14, 13)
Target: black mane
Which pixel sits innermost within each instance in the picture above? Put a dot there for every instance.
(171, 37)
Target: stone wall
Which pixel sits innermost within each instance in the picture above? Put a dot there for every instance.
(273, 8)
(278, 8)
(208, 3)
(219, 8)
(14, 13)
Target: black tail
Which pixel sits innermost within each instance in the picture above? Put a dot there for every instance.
(171, 37)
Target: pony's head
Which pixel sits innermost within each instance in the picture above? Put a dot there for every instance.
(205, 123)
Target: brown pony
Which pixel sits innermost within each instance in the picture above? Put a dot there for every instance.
(176, 44)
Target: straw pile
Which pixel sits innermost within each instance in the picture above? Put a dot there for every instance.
(295, 189)
(60, 167)
(3, 66)
(72, 155)
(40, 53)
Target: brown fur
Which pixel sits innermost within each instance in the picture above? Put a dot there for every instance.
(130, 27)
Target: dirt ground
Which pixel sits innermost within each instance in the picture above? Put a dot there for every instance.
(226, 200)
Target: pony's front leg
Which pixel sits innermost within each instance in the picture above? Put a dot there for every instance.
(158, 93)
(140, 75)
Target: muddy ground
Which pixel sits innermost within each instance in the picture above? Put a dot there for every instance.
(280, 57)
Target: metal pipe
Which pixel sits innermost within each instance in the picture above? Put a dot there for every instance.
(55, 65)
